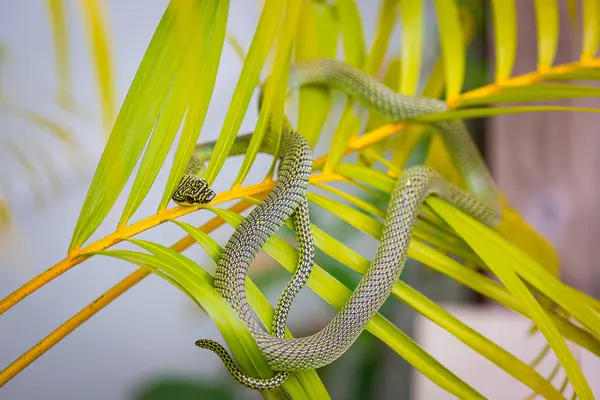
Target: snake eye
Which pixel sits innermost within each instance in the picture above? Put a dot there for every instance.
(210, 196)
(190, 199)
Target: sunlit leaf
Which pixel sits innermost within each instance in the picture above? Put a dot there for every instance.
(203, 55)
(578, 74)
(264, 35)
(198, 81)
(271, 116)
(348, 127)
(590, 12)
(505, 29)
(452, 46)
(318, 32)
(131, 130)
(521, 234)
(535, 92)
(364, 205)
(353, 38)
(237, 47)
(492, 111)
(507, 262)
(546, 18)
(388, 14)
(96, 25)
(412, 16)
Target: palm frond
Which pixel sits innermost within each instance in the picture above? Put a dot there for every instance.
(271, 114)
(270, 19)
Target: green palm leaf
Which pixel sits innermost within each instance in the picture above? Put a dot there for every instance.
(546, 18)
(318, 25)
(452, 45)
(505, 28)
(131, 131)
(412, 45)
(261, 43)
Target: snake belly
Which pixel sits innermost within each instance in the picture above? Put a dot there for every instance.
(480, 200)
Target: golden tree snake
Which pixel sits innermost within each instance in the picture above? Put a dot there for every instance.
(288, 199)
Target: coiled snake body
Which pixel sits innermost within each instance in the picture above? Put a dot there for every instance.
(288, 199)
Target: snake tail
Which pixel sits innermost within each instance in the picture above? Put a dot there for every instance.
(253, 383)
(306, 255)
(286, 199)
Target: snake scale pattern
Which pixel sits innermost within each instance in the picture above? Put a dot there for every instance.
(288, 199)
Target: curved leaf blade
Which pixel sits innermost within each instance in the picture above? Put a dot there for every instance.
(504, 261)
(493, 111)
(131, 130)
(353, 38)
(385, 25)
(203, 72)
(271, 116)
(412, 15)
(534, 92)
(98, 33)
(590, 11)
(505, 31)
(191, 90)
(546, 17)
(264, 35)
(453, 48)
(348, 127)
(317, 26)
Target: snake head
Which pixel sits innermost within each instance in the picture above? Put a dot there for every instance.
(193, 190)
